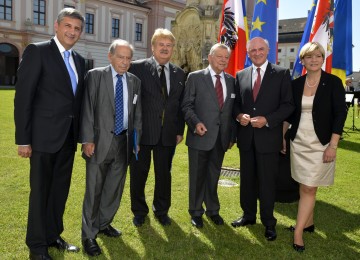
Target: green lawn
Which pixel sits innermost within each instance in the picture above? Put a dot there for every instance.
(337, 212)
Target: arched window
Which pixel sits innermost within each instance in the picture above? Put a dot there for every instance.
(9, 62)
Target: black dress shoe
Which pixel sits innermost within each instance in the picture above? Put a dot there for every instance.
(270, 233)
(197, 221)
(139, 220)
(109, 231)
(310, 229)
(299, 248)
(217, 219)
(33, 256)
(91, 247)
(240, 222)
(164, 219)
(61, 244)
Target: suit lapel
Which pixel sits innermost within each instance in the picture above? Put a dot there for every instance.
(154, 71)
(266, 81)
(172, 73)
(321, 89)
(209, 82)
(78, 70)
(109, 83)
(228, 89)
(130, 88)
(61, 63)
(247, 88)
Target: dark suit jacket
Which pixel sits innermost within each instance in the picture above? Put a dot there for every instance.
(200, 104)
(329, 108)
(45, 106)
(153, 103)
(98, 113)
(274, 101)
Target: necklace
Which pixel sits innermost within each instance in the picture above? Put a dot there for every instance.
(311, 86)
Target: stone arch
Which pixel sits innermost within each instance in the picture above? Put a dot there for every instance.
(9, 63)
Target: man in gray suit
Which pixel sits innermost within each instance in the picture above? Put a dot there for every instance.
(207, 107)
(110, 116)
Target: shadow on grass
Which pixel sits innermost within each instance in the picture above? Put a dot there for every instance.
(349, 145)
(336, 230)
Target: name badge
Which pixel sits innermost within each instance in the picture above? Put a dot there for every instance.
(135, 99)
(232, 95)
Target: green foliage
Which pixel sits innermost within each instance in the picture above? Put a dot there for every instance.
(337, 212)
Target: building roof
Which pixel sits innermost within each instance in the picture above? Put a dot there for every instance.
(292, 25)
(291, 30)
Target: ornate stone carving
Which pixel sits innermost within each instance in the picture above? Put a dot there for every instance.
(196, 29)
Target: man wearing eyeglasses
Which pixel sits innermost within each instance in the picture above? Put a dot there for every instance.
(263, 101)
(162, 87)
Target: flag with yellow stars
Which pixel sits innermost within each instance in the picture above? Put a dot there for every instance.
(265, 25)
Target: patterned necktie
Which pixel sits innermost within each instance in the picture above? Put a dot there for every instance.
(163, 82)
(257, 84)
(70, 70)
(219, 91)
(119, 106)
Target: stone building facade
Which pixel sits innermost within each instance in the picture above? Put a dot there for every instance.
(26, 21)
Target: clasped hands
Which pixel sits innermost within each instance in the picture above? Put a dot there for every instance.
(257, 122)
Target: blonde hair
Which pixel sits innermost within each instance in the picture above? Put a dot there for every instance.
(309, 48)
(162, 33)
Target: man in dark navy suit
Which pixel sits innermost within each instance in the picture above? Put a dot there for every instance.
(162, 87)
(263, 101)
(48, 98)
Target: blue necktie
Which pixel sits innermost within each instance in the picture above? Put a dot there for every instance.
(70, 70)
(119, 106)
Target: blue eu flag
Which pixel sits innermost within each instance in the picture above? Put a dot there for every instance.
(265, 25)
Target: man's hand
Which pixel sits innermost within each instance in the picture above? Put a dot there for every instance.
(200, 129)
(179, 139)
(25, 151)
(88, 149)
(258, 121)
(243, 119)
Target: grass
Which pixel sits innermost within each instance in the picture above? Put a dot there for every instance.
(337, 212)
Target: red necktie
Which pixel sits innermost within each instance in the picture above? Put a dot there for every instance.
(257, 84)
(219, 91)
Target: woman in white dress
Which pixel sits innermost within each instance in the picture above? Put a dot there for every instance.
(316, 127)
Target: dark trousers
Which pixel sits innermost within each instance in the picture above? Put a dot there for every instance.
(204, 173)
(50, 176)
(104, 188)
(139, 170)
(258, 173)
